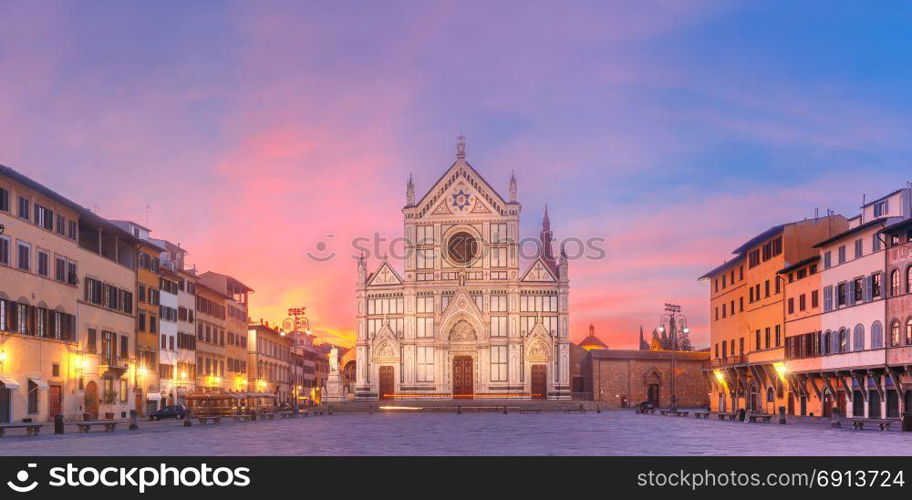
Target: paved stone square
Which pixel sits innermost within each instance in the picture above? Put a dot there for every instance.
(606, 433)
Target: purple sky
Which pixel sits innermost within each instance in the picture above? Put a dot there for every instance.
(252, 130)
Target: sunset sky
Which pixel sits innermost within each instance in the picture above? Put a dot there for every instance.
(252, 130)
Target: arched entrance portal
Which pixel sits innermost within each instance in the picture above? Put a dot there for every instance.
(91, 401)
(539, 381)
(463, 377)
(653, 388)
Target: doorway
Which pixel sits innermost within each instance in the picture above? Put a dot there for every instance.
(387, 382)
(892, 403)
(858, 404)
(463, 378)
(652, 394)
(873, 404)
(539, 382)
(55, 403)
(91, 401)
(5, 407)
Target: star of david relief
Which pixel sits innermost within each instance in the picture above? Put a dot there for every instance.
(461, 200)
(462, 331)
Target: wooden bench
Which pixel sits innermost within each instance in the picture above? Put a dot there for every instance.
(243, 416)
(682, 413)
(663, 412)
(754, 417)
(729, 416)
(286, 414)
(215, 419)
(85, 427)
(268, 416)
(701, 414)
(882, 423)
(31, 429)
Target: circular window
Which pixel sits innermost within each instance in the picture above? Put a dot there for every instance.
(462, 248)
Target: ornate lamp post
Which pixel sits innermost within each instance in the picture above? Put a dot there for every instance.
(296, 322)
(671, 321)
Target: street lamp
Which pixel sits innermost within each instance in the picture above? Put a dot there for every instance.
(674, 320)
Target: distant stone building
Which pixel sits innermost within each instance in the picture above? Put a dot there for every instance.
(622, 378)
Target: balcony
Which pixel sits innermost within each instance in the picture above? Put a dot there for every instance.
(117, 366)
(739, 359)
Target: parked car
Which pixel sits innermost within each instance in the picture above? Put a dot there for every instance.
(176, 411)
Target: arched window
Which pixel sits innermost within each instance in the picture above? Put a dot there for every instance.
(894, 283)
(909, 331)
(843, 340)
(894, 333)
(858, 340)
(909, 279)
(825, 344)
(876, 335)
(838, 340)
(770, 396)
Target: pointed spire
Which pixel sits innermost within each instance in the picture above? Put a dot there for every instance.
(460, 147)
(362, 269)
(513, 190)
(546, 236)
(591, 329)
(410, 191)
(644, 346)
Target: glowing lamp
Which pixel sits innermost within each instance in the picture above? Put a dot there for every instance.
(686, 330)
(2, 357)
(781, 369)
(720, 377)
(141, 372)
(661, 328)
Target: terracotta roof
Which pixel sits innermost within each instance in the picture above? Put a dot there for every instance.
(637, 354)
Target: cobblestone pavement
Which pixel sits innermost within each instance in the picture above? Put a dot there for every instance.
(607, 433)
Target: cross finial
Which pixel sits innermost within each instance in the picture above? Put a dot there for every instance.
(460, 146)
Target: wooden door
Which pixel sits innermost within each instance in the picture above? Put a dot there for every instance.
(5, 416)
(387, 382)
(539, 382)
(652, 394)
(55, 395)
(91, 400)
(463, 377)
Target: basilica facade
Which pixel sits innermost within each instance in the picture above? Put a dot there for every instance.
(462, 319)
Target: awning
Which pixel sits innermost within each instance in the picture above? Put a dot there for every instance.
(154, 396)
(42, 385)
(9, 382)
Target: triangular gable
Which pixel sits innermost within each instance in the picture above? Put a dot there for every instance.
(386, 275)
(461, 199)
(461, 171)
(442, 209)
(461, 300)
(539, 272)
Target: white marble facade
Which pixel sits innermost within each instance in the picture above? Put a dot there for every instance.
(462, 320)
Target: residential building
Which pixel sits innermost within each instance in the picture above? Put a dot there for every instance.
(211, 317)
(106, 312)
(803, 310)
(39, 269)
(233, 333)
(147, 388)
(896, 376)
(178, 362)
(270, 361)
(747, 313)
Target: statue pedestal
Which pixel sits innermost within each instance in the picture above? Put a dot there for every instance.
(334, 388)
